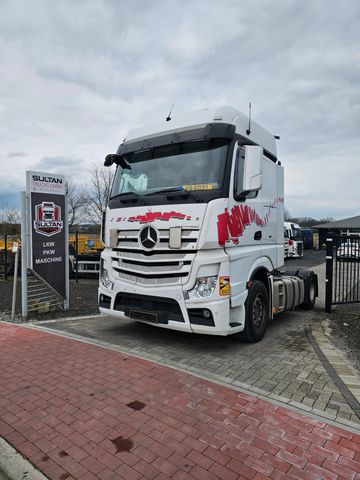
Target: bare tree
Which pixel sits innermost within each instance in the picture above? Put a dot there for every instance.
(10, 219)
(75, 200)
(96, 194)
(287, 215)
(326, 220)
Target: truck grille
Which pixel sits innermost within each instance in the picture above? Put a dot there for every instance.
(159, 266)
(300, 248)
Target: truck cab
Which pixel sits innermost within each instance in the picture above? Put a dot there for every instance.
(293, 240)
(48, 211)
(194, 225)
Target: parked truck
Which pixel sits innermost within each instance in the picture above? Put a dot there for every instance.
(194, 228)
(293, 240)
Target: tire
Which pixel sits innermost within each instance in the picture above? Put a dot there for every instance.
(291, 272)
(311, 289)
(256, 313)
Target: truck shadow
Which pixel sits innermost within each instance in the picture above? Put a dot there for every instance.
(137, 333)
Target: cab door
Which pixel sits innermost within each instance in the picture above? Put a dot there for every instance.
(270, 198)
(244, 219)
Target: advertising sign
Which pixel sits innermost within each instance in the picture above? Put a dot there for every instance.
(48, 255)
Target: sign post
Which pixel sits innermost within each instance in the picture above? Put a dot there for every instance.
(24, 253)
(46, 239)
(15, 249)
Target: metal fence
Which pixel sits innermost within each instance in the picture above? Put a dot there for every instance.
(6, 255)
(342, 270)
(84, 255)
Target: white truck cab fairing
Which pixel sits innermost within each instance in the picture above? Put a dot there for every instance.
(194, 226)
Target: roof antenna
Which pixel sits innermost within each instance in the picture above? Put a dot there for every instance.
(248, 131)
(168, 118)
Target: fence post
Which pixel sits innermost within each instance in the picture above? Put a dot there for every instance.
(329, 273)
(5, 257)
(77, 255)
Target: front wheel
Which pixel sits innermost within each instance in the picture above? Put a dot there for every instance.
(256, 312)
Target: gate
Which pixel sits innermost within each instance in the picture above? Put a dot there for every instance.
(342, 270)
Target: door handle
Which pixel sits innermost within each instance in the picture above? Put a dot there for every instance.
(258, 235)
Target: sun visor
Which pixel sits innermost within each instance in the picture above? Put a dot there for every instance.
(211, 130)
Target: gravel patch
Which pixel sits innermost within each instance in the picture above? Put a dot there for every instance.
(345, 331)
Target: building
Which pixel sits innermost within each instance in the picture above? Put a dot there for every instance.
(347, 226)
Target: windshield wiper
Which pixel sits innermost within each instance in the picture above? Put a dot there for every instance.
(175, 190)
(127, 194)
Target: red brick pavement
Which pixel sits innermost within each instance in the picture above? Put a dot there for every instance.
(79, 411)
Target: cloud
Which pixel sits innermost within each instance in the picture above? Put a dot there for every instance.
(76, 76)
(16, 154)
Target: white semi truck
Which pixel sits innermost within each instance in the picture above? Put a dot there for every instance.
(293, 240)
(194, 228)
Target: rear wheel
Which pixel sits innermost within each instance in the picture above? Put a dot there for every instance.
(257, 312)
(311, 289)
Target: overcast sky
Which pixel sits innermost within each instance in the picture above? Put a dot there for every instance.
(76, 76)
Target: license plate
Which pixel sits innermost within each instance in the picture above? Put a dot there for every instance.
(145, 316)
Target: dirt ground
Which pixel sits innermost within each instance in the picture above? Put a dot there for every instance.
(344, 322)
(83, 300)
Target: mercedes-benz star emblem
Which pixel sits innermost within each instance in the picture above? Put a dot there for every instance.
(148, 237)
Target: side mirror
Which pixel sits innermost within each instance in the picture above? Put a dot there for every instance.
(253, 168)
(117, 159)
(110, 159)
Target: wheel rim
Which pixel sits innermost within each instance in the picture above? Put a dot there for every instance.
(258, 311)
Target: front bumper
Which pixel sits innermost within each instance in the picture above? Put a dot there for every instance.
(166, 307)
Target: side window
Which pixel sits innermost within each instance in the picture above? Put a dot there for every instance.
(239, 194)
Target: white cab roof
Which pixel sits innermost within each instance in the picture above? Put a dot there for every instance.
(199, 118)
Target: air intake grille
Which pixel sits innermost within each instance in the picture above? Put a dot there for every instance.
(159, 266)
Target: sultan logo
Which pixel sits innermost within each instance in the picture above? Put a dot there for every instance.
(48, 219)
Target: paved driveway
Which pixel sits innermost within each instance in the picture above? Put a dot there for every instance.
(283, 366)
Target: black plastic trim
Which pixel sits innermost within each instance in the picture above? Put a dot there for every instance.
(153, 252)
(104, 301)
(211, 130)
(165, 308)
(151, 275)
(196, 317)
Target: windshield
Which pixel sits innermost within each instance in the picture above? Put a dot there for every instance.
(297, 234)
(193, 166)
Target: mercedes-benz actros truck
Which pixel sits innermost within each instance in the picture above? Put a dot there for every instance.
(194, 228)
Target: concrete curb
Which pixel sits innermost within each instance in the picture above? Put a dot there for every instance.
(348, 378)
(15, 466)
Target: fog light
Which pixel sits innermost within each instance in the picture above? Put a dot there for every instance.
(206, 313)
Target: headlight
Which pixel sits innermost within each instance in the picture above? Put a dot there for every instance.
(204, 287)
(104, 278)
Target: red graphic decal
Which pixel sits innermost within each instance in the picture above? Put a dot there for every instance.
(232, 225)
(152, 216)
